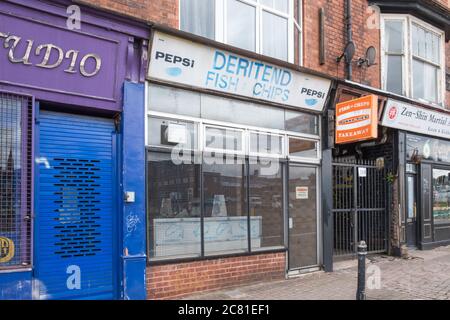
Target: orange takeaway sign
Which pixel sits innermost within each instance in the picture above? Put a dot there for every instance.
(356, 120)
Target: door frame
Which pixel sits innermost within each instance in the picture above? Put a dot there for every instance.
(416, 200)
(117, 222)
(319, 241)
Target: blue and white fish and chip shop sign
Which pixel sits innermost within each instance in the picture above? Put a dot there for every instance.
(189, 63)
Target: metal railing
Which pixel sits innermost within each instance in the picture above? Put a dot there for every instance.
(359, 206)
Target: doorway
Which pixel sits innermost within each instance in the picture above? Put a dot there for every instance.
(302, 226)
(411, 210)
(75, 230)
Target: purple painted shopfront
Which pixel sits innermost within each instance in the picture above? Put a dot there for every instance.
(71, 144)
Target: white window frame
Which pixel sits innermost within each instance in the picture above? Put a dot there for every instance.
(220, 24)
(242, 152)
(407, 84)
(304, 159)
(263, 154)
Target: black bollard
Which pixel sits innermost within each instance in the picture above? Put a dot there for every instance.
(362, 252)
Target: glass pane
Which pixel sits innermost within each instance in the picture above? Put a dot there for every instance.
(426, 44)
(172, 133)
(394, 36)
(281, 5)
(266, 204)
(266, 143)
(197, 16)
(411, 198)
(302, 148)
(275, 35)
(302, 217)
(223, 139)
(301, 122)
(425, 84)
(441, 196)
(394, 76)
(436, 49)
(173, 207)
(241, 25)
(226, 220)
(418, 148)
(239, 112)
(172, 100)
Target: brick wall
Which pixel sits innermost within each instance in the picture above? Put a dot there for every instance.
(364, 35)
(177, 280)
(159, 11)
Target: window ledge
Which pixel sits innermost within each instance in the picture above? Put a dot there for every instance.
(157, 262)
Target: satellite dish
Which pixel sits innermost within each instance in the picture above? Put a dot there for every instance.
(348, 53)
(370, 57)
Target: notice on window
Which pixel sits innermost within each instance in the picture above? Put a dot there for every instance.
(301, 193)
(176, 133)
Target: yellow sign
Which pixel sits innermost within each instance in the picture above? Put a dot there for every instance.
(6, 249)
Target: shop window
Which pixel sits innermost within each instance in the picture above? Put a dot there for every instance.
(224, 139)
(266, 204)
(168, 133)
(441, 196)
(267, 27)
(215, 182)
(302, 148)
(302, 122)
(266, 144)
(168, 100)
(174, 101)
(15, 177)
(173, 207)
(226, 218)
(412, 58)
(240, 112)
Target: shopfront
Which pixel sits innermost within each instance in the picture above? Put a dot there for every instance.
(233, 167)
(65, 107)
(424, 165)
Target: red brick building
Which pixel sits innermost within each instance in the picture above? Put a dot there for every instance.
(411, 65)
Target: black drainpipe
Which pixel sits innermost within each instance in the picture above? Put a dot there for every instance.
(348, 27)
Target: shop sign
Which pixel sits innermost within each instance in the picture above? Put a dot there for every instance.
(407, 117)
(6, 249)
(356, 120)
(192, 64)
(57, 64)
(44, 51)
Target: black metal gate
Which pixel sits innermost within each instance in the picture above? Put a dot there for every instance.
(359, 206)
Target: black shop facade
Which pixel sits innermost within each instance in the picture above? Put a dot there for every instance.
(423, 149)
(390, 189)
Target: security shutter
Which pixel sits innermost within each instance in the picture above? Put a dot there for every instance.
(75, 220)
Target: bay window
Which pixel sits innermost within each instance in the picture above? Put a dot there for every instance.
(268, 27)
(413, 62)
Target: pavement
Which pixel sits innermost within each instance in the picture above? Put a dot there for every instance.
(422, 275)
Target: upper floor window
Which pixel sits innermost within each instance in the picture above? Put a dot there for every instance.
(269, 27)
(413, 58)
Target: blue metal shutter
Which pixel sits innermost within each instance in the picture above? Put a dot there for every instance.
(75, 216)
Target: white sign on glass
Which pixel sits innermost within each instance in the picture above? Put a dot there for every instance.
(177, 133)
